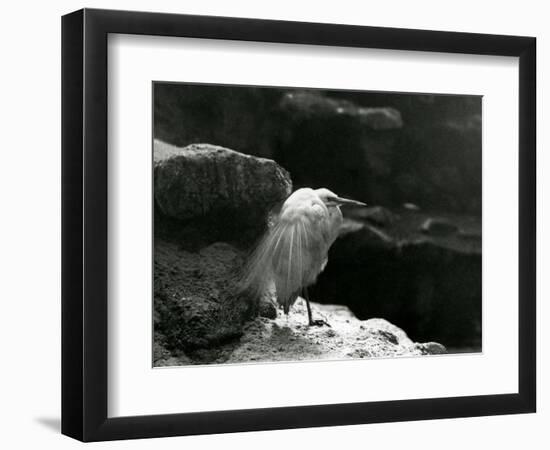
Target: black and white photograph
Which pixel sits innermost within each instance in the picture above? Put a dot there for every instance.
(275, 225)
(298, 224)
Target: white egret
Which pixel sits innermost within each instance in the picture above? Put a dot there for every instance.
(294, 250)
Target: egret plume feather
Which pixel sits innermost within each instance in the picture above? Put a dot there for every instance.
(294, 250)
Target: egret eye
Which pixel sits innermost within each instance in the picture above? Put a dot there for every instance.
(331, 201)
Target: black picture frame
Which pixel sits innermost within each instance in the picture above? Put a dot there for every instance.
(84, 224)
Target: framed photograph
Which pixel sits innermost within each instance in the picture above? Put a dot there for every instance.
(273, 224)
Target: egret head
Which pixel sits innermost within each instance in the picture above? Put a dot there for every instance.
(329, 198)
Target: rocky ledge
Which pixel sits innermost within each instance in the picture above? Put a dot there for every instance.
(215, 191)
(289, 338)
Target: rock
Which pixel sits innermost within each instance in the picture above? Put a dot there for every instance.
(384, 118)
(311, 104)
(393, 333)
(216, 186)
(431, 348)
(196, 301)
(320, 132)
(378, 215)
(163, 357)
(348, 337)
(428, 284)
(364, 236)
(267, 309)
(438, 227)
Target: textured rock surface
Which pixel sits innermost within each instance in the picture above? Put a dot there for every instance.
(289, 338)
(195, 300)
(218, 186)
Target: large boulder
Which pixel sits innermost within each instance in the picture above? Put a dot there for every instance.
(197, 301)
(337, 143)
(217, 188)
(426, 281)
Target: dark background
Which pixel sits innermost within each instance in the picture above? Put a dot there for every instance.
(418, 149)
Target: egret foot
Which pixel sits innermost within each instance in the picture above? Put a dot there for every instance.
(311, 322)
(319, 323)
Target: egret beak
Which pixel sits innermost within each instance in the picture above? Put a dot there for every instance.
(347, 201)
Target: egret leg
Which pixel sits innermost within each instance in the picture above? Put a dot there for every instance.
(311, 322)
(306, 297)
